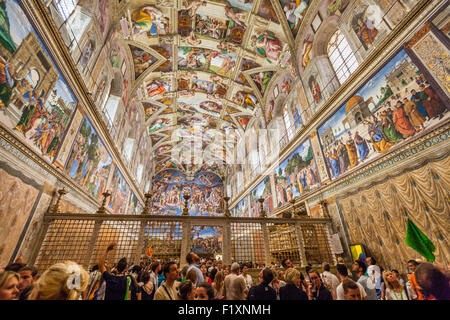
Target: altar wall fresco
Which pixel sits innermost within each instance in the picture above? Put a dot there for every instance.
(205, 189)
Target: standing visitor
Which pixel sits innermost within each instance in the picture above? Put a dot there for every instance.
(186, 290)
(330, 281)
(317, 290)
(263, 291)
(434, 281)
(394, 290)
(218, 285)
(234, 286)
(168, 289)
(193, 260)
(374, 273)
(9, 285)
(58, 282)
(360, 269)
(343, 275)
(204, 291)
(247, 278)
(292, 290)
(119, 286)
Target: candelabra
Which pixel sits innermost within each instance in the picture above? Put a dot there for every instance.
(262, 213)
(227, 211)
(102, 209)
(148, 197)
(186, 198)
(55, 208)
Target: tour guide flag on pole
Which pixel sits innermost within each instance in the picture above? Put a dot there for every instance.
(417, 240)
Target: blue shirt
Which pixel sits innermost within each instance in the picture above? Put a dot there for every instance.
(198, 272)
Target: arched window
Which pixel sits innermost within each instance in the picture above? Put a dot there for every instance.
(287, 122)
(66, 7)
(128, 149)
(341, 56)
(111, 109)
(139, 173)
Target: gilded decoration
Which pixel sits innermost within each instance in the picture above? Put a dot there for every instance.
(435, 56)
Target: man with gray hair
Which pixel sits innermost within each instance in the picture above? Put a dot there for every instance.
(234, 287)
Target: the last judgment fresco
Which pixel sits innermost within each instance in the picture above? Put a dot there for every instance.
(205, 190)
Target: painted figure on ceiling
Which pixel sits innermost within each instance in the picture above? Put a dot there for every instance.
(267, 45)
(150, 20)
(315, 89)
(307, 46)
(294, 11)
(364, 28)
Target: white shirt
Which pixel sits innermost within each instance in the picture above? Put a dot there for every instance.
(340, 292)
(248, 280)
(330, 280)
(374, 273)
(392, 295)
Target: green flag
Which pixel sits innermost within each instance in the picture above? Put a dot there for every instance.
(417, 240)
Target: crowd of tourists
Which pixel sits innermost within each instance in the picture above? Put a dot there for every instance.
(201, 279)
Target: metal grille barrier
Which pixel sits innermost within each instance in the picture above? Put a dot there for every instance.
(83, 238)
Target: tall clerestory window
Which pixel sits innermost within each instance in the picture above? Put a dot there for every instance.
(288, 124)
(341, 56)
(66, 7)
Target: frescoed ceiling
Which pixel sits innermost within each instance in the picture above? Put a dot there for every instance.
(203, 69)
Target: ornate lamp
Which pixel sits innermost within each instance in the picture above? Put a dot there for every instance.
(55, 208)
(102, 209)
(263, 213)
(148, 197)
(227, 211)
(186, 198)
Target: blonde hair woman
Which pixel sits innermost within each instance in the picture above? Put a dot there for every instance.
(395, 290)
(218, 285)
(62, 281)
(9, 285)
(292, 291)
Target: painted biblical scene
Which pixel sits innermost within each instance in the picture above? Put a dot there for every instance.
(262, 190)
(296, 175)
(295, 11)
(243, 121)
(396, 104)
(191, 58)
(201, 59)
(205, 191)
(198, 104)
(206, 241)
(134, 206)
(89, 162)
(262, 79)
(149, 21)
(35, 101)
(119, 193)
(142, 60)
(241, 209)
